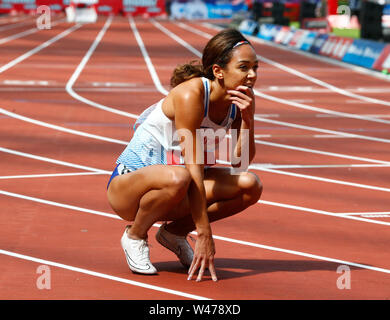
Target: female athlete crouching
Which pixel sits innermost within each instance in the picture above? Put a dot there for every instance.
(146, 188)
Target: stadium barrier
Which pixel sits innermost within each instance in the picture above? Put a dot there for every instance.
(188, 9)
(365, 53)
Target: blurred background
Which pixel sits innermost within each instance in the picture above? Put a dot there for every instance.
(353, 31)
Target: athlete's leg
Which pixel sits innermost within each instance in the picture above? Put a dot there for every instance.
(226, 193)
(149, 194)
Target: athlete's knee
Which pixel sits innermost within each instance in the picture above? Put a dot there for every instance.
(251, 186)
(179, 181)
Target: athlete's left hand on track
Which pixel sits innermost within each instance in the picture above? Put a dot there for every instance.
(203, 257)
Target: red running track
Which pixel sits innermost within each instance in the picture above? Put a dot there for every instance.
(66, 112)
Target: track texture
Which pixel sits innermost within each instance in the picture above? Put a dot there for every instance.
(66, 113)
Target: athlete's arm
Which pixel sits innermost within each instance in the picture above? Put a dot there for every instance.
(244, 99)
(189, 110)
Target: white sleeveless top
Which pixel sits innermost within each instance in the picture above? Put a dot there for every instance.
(154, 128)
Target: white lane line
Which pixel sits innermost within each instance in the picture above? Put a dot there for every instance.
(301, 75)
(39, 48)
(46, 159)
(326, 131)
(376, 216)
(25, 82)
(326, 213)
(59, 128)
(327, 136)
(147, 59)
(125, 143)
(160, 88)
(305, 176)
(326, 153)
(101, 275)
(377, 269)
(313, 166)
(324, 84)
(94, 170)
(81, 66)
(303, 254)
(27, 32)
(364, 213)
(199, 54)
(231, 240)
(252, 166)
(321, 58)
(316, 109)
(50, 175)
(80, 133)
(15, 25)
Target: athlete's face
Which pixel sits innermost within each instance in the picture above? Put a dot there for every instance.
(242, 68)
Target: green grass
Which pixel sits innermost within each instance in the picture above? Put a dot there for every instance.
(295, 24)
(351, 33)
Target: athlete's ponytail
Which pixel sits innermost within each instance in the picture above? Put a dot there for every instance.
(186, 72)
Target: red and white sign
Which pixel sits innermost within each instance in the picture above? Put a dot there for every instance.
(282, 34)
(336, 47)
(294, 42)
(383, 61)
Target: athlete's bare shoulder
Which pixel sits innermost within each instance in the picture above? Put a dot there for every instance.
(189, 89)
(185, 97)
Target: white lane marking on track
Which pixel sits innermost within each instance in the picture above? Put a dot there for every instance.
(305, 176)
(231, 240)
(25, 82)
(27, 32)
(147, 59)
(68, 164)
(123, 142)
(59, 128)
(313, 166)
(295, 104)
(364, 213)
(252, 166)
(38, 48)
(326, 136)
(15, 25)
(376, 268)
(97, 137)
(347, 66)
(102, 275)
(331, 154)
(49, 160)
(326, 131)
(80, 67)
(272, 98)
(51, 175)
(161, 89)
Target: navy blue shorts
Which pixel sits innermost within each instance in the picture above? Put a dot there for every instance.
(119, 170)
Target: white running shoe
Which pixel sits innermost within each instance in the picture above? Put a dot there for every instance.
(177, 244)
(137, 255)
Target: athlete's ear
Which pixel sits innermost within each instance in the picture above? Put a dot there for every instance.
(217, 71)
